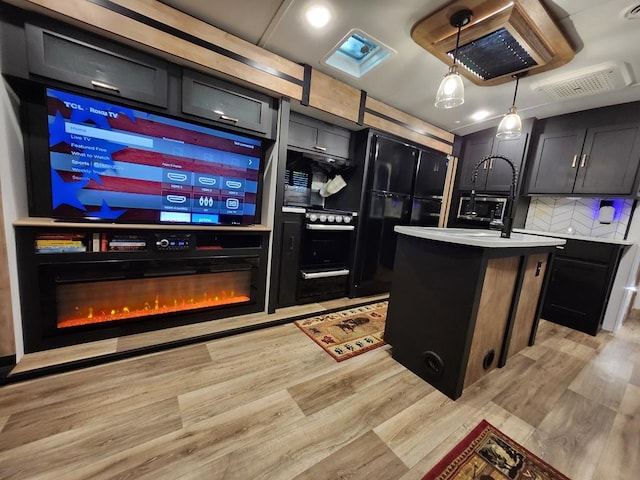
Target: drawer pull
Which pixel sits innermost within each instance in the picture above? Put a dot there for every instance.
(575, 161)
(560, 247)
(318, 147)
(584, 160)
(229, 119)
(106, 86)
(329, 274)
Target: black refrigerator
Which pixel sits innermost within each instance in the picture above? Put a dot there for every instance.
(386, 202)
(428, 189)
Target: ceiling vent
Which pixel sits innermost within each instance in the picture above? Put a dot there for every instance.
(602, 78)
(357, 53)
(502, 39)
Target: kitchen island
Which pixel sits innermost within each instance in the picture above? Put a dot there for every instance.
(463, 301)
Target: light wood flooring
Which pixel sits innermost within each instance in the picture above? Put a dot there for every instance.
(271, 404)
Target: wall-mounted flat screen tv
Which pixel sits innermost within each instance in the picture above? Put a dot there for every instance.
(113, 163)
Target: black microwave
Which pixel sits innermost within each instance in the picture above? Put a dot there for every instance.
(486, 210)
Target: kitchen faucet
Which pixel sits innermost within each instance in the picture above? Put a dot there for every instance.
(507, 219)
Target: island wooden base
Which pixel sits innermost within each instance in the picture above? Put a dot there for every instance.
(456, 312)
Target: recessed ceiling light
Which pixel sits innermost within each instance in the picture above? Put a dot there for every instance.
(480, 115)
(318, 16)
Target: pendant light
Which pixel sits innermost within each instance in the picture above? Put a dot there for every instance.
(451, 91)
(511, 124)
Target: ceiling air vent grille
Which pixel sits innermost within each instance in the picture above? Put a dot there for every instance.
(601, 78)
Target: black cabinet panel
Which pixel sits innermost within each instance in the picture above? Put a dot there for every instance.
(576, 294)
(609, 160)
(556, 161)
(289, 259)
(600, 160)
(226, 103)
(108, 68)
(476, 147)
(500, 174)
(319, 137)
(495, 175)
(580, 284)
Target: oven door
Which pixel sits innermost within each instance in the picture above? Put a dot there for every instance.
(326, 246)
(325, 262)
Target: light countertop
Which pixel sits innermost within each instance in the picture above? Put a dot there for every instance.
(574, 237)
(479, 238)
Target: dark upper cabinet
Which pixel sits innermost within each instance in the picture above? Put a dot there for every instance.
(313, 135)
(494, 175)
(475, 147)
(107, 68)
(226, 103)
(555, 162)
(609, 160)
(431, 174)
(586, 155)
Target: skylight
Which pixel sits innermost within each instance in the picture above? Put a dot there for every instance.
(357, 53)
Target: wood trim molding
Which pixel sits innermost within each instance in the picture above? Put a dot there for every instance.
(333, 96)
(93, 16)
(7, 340)
(526, 20)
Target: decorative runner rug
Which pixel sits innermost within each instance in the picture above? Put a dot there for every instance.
(488, 454)
(349, 332)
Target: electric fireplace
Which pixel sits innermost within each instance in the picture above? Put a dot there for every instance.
(71, 298)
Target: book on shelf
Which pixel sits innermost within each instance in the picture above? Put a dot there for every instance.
(61, 249)
(57, 243)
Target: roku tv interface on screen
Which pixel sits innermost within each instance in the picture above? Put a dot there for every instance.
(113, 163)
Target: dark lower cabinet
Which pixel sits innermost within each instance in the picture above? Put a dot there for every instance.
(581, 279)
(289, 259)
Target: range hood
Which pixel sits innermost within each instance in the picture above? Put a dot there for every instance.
(502, 39)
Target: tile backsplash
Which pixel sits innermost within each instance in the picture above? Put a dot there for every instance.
(558, 214)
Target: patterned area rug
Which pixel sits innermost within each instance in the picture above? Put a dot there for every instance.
(349, 332)
(488, 454)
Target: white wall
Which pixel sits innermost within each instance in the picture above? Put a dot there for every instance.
(14, 193)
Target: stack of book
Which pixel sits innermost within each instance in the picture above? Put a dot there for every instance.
(127, 242)
(60, 243)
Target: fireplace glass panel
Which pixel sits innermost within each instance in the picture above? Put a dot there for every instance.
(87, 303)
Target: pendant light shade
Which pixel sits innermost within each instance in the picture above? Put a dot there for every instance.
(451, 91)
(511, 124)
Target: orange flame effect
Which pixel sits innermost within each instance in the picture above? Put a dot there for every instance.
(148, 309)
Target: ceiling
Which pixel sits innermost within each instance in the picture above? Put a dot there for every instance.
(409, 80)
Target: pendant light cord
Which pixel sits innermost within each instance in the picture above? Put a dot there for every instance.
(516, 91)
(455, 52)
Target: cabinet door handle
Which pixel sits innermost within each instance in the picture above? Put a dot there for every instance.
(484, 166)
(575, 161)
(229, 119)
(560, 247)
(291, 243)
(106, 86)
(318, 147)
(491, 164)
(584, 160)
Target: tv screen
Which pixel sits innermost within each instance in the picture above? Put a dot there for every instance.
(113, 163)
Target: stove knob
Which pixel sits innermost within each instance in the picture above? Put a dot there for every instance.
(323, 217)
(347, 219)
(331, 218)
(313, 217)
(338, 218)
